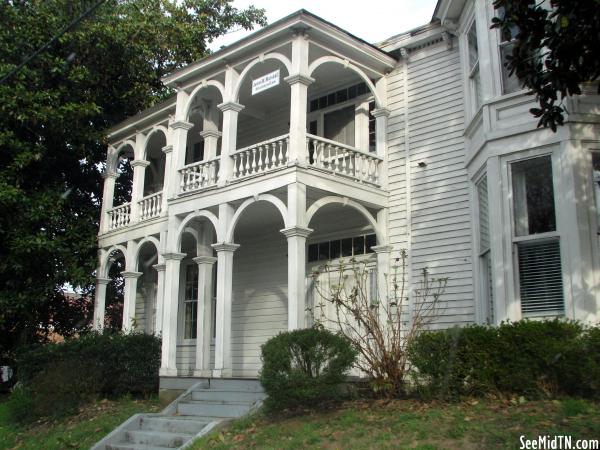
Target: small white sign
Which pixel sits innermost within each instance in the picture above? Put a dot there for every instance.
(265, 82)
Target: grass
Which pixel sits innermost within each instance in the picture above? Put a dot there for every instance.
(413, 424)
(81, 431)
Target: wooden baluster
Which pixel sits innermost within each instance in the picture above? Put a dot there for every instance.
(269, 161)
(334, 160)
(278, 155)
(254, 165)
(247, 165)
(261, 149)
(236, 171)
(376, 172)
(365, 167)
(345, 162)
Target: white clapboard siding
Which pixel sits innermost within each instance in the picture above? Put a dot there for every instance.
(259, 308)
(252, 130)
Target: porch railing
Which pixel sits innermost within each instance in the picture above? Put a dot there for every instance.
(119, 216)
(262, 157)
(343, 160)
(150, 206)
(199, 175)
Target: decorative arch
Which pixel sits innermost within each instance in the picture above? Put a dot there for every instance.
(207, 215)
(105, 263)
(155, 129)
(345, 201)
(113, 157)
(345, 63)
(274, 55)
(262, 197)
(140, 244)
(197, 89)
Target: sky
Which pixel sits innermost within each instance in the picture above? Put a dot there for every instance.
(372, 20)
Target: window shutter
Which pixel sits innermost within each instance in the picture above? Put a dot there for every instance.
(540, 276)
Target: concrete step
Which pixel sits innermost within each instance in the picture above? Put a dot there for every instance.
(236, 385)
(173, 424)
(213, 409)
(225, 395)
(157, 438)
(130, 446)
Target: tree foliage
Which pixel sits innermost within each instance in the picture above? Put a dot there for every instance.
(53, 113)
(556, 49)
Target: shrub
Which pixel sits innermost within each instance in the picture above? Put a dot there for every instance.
(55, 379)
(533, 358)
(304, 366)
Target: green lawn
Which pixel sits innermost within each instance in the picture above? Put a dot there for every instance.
(77, 432)
(474, 424)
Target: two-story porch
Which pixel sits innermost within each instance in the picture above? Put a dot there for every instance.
(270, 158)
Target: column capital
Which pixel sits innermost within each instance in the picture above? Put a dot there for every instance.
(174, 256)
(380, 112)
(140, 163)
(205, 260)
(225, 247)
(230, 106)
(113, 175)
(382, 248)
(160, 267)
(299, 78)
(102, 280)
(296, 231)
(167, 149)
(181, 124)
(131, 274)
(210, 133)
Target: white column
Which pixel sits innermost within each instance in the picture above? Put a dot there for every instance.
(296, 238)
(137, 189)
(129, 295)
(210, 130)
(223, 314)
(170, 312)
(204, 314)
(100, 303)
(179, 133)
(381, 118)
(108, 195)
(170, 177)
(361, 127)
(160, 298)
(383, 270)
(229, 139)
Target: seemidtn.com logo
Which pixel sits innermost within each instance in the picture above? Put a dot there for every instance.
(558, 442)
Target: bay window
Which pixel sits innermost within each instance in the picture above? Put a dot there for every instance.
(473, 69)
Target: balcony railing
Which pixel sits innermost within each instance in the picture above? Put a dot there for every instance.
(199, 175)
(119, 216)
(262, 157)
(343, 160)
(150, 206)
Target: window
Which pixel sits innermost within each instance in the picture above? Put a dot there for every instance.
(536, 241)
(372, 122)
(190, 302)
(485, 256)
(473, 65)
(510, 83)
(596, 180)
(354, 246)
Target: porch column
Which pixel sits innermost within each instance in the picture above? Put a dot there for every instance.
(108, 195)
(223, 320)
(179, 132)
(168, 179)
(170, 312)
(229, 139)
(296, 238)
(383, 268)
(160, 298)
(210, 130)
(129, 299)
(100, 302)
(299, 82)
(204, 314)
(381, 118)
(137, 188)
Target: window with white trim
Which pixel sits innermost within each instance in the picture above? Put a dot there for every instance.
(190, 302)
(473, 68)
(484, 250)
(510, 83)
(535, 238)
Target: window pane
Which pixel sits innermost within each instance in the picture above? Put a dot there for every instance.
(510, 83)
(476, 90)
(472, 44)
(371, 241)
(484, 227)
(323, 251)
(533, 196)
(313, 252)
(540, 278)
(190, 319)
(347, 247)
(359, 245)
(596, 175)
(335, 249)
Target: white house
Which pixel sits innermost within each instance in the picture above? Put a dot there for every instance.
(302, 143)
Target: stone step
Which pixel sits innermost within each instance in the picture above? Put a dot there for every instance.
(235, 396)
(213, 409)
(130, 446)
(173, 424)
(157, 438)
(235, 384)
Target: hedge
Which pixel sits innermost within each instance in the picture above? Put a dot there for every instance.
(532, 358)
